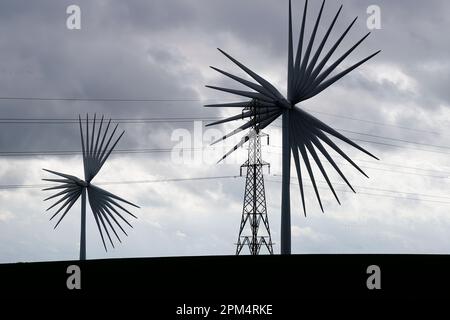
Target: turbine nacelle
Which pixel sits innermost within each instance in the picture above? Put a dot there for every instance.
(83, 183)
(284, 103)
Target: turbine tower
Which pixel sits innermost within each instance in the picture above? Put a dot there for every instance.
(254, 212)
(302, 133)
(105, 206)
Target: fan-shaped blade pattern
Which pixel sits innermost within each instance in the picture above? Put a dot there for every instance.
(108, 213)
(304, 77)
(308, 132)
(306, 81)
(307, 77)
(71, 188)
(106, 207)
(96, 146)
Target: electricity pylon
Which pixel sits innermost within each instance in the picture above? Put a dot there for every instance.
(254, 230)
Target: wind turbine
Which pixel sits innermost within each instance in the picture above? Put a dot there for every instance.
(302, 133)
(105, 206)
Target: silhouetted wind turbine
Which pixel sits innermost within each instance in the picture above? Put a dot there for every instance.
(105, 205)
(302, 133)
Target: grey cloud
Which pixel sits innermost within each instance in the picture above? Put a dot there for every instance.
(162, 49)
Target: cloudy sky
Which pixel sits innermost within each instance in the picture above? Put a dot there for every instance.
(397, 106)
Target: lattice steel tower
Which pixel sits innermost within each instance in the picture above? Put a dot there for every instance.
(254, 230)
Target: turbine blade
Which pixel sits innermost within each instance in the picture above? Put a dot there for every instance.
(83, 148)
(233, 118)
(67, 176)
(99, 201)
(321, 168)
(299, 176)
(247, 83)
(313, 153)
(243, 140)
(294, 148)
(100, 148)
(329, 142)
(110, 224)
(108, 142)
(93, 135)
(247, 125)
(332, 80)
(105, 211)
(298, 57)
(108, 207)
(330, 69)
(263, 124)
(72, 196)
(240, 116)
(110, 150)
(105, 228)
(237, 130)
(290, 56)
(310, 172)
(100, 231)
(62, 192)
(242, 104)
(255, 76)
(112, 201)
(322, 126)
(319, 68)
(72, 202)
(88, 152)
(68, 195)
(322, 149)
(309, 48)
(98, 137)
(312, 64)
(247, 94)
(113, 196)
(62, 186)
(59, 180)
(82, 138)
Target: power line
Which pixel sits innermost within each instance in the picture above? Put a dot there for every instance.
(402, 172)
(113, 120)
(75, 99)
(390, 164)
(118, 151)
(369, 121)
(35, 186)
(104, 99)
(392, 139)
(31, 186)
(446, 175)
(189, 119)
(371, 194)
(381, 163)
(377, 189)
(185, 119)
(401, 147)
